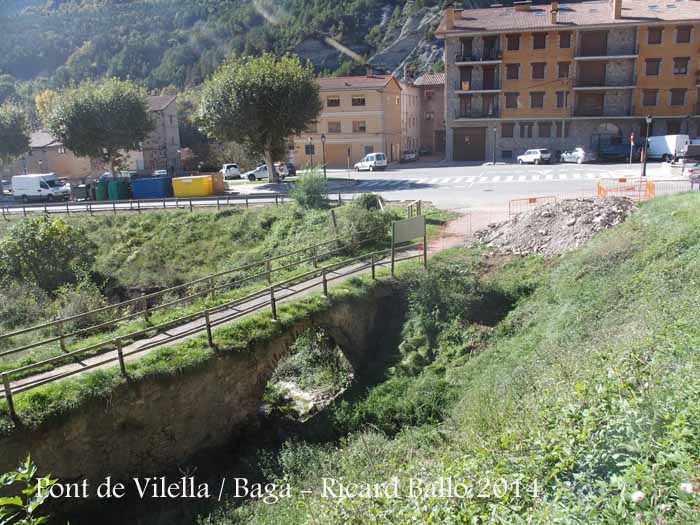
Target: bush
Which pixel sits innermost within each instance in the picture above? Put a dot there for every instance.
(367, 201)
(310, 191)
(46, 252)
(21, 305)
(80, 298)
(23, 509)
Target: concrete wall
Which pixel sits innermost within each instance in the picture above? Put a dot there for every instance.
(150, 425)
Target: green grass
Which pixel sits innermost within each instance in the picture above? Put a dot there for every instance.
(587, 391)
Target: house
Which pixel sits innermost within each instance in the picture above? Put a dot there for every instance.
(360, 115)
(410, 113)
(431, 122)
(161, 150)
(563, 75)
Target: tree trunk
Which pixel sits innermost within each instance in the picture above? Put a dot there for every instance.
(271, 175)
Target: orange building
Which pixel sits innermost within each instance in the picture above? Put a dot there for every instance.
(568, 74)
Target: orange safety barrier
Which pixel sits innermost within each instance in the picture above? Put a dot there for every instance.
(635, 189)
(516, 206)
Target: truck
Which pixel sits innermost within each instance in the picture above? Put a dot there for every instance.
(39, 187)
(667, 147)
(691, 150)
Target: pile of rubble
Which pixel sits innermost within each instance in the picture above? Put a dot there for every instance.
(555, 228)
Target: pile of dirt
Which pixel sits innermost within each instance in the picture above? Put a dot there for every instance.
(555, 228)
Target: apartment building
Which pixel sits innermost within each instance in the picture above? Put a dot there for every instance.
(431, 120)
(568, 74)
(360, 115)
(161, 150)
(410, 114)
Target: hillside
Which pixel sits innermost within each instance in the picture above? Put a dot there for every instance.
(179, 43)
(579, 406)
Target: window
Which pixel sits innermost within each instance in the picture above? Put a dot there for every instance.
(511, 100)
(678, 97)
(309, 149)
(429, 94)
(312, 127)
(562, 99)
(43, 185)
(507, 129)
(334, 127)
(537, 99)
(359, 126)
(652, 67)
(680, 65)
(559, 127)
(649, 97)
(397, 100)
(369, 150)
(429, 115)
(513, 42)
(61, 151)
(539, 40)
(525, 130)
(673, 127)
(563, 69)
(655, 35)
(171, 119)
(358, 101)
(512, 71)
(507, 154)
(544, 129)
(333, 102)
(565, 39)
(567, 129)
(683, 34)
(538, 70)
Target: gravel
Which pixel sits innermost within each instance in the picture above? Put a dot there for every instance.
(555, 228)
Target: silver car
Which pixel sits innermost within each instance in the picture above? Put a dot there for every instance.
(577, 155)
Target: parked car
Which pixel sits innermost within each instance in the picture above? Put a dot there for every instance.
(230, 171)
(618, 152)
(290, 170)
(577, 155)
(409, 156)
(39, 187)
(667, 147)
(260, 173)
(6, 186)
(424, 150)
(372, 162)
(535, 156)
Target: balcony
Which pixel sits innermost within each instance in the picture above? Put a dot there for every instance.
(607, 54)
(482, 114)
(603, 112)
(491, 56)
(597, 84)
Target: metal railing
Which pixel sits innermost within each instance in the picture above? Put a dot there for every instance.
(265, 270)
(229, 313)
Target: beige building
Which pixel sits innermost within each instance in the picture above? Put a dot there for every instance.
(161, 151)
(431, 120)
(410, 112)
(360, 115)
(48, 155)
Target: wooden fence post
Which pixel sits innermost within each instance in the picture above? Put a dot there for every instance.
(268, 270)
(314, 256)
(425, 245)
(211, 288)
(146, 310)
(374, 274)
(61, 341)
(393, 246)
(8, 396)
(273, 303)
(207, 320)
(120, 355)
(325, 284)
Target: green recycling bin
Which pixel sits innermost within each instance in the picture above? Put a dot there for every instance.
(118, 189)
(101, 190)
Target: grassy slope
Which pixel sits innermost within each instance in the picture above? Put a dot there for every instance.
(590, 386)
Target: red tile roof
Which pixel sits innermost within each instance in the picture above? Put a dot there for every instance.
(572, 14)
(430, 79)
(364, 82)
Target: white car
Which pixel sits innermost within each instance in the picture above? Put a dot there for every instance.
(231, 171)
(259, 173)
(372, 162)
(535, 156)
(577, 155)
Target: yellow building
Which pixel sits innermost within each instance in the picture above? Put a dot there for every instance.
(559, 76)
(360, 115)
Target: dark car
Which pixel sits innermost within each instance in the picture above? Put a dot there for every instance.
(291, 169)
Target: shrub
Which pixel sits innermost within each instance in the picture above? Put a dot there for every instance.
(21, 304)
(367, 201)
(310, 191)
(22, 509)
(75, 299)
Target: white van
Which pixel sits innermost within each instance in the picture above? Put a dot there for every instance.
(40, 187)
(667, 147)
(372, 162)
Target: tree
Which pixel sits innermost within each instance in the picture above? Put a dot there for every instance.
(14, 134)
(44, 103)
(259, 103)
(101, 120)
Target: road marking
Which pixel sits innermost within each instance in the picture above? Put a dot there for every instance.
(522, 178)
(497, 178)
(576, 176)
(509, 178)
(549, 177)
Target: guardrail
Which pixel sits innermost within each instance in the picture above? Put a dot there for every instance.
(267, 296)
(211, 288)
(92, 207)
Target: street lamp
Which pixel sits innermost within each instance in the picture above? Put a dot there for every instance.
(646, 142)
(323, 148)
(311, 151)
(494, 145)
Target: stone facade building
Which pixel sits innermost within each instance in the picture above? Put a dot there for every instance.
(432, 112)
(568, 74)
(161, 151)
